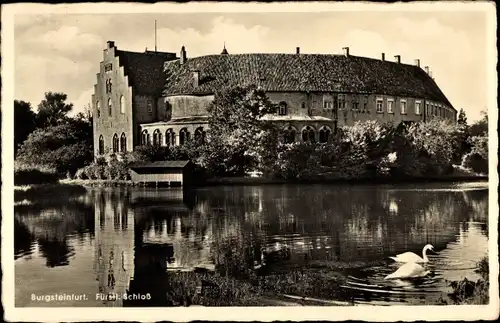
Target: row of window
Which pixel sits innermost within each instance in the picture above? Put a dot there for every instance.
(122, 106)
(308, 134)
(184, 137)
(110, 106)
(341, 104)
(438, 110)
(119, 145)
(403, 106)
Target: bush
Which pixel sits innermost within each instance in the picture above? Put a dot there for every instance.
(81, 173)
(65, 147)
(26, 175)
(470, 292)
(476, 163)
(113, 169)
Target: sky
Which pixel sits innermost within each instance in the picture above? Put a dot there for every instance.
(61, 52)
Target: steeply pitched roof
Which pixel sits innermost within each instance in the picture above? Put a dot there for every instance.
(161, 164)
(145, 70)
(300, 72)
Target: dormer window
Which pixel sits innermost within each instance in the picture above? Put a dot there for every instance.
(282, 109)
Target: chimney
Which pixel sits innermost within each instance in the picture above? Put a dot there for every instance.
(298, 50)
(427, 69)
(110, 44)
(398, 58)
(346, 51)
(183, 55)
(417, 62)
(196, 78)
(383, 57)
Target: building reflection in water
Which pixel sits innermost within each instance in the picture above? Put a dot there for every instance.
(143, 235)
(114, 246)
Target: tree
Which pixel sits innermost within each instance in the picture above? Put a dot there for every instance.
(24, 122)
(53, 109)
(237, 132)
(462, 118)
(477, 156)
(480, 127)
(65, 147)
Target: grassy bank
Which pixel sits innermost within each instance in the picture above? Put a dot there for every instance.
(30, 175)
(56, 191)
(308, 286)
(99, 182)
(467, 292)
(269, 181)
(326, 180)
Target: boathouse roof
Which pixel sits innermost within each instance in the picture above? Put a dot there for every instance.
(161, 164)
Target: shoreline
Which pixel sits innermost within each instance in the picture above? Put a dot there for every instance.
(249, 181)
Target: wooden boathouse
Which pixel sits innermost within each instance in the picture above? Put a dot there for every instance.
(172, 172)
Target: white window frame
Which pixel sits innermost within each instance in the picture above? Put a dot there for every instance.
(98, 108)
(110, 107)
(381, 101)
(401, 101)
(122, 104)
(390, 103)
(282, 109)
(418, 104)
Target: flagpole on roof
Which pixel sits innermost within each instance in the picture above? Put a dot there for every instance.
(155, 37)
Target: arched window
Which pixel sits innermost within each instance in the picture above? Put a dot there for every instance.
(101, 145)
(282, 108)
(157, 137)
(98, 107)
(183, 136)
(116, 143)
(144, 138)
(199, 135)
(122, 104)
(110, 106)
(324, 134)
(123, 143)
(290, 134)
(170, 137)
(308, 134)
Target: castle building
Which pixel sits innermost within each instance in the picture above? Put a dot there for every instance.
(159, 98)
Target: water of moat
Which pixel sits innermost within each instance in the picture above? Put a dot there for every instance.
(138, 239)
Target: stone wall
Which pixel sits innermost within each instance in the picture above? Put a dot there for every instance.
(188, 105)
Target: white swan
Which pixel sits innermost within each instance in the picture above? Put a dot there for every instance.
(412, 257)
(409, 270)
